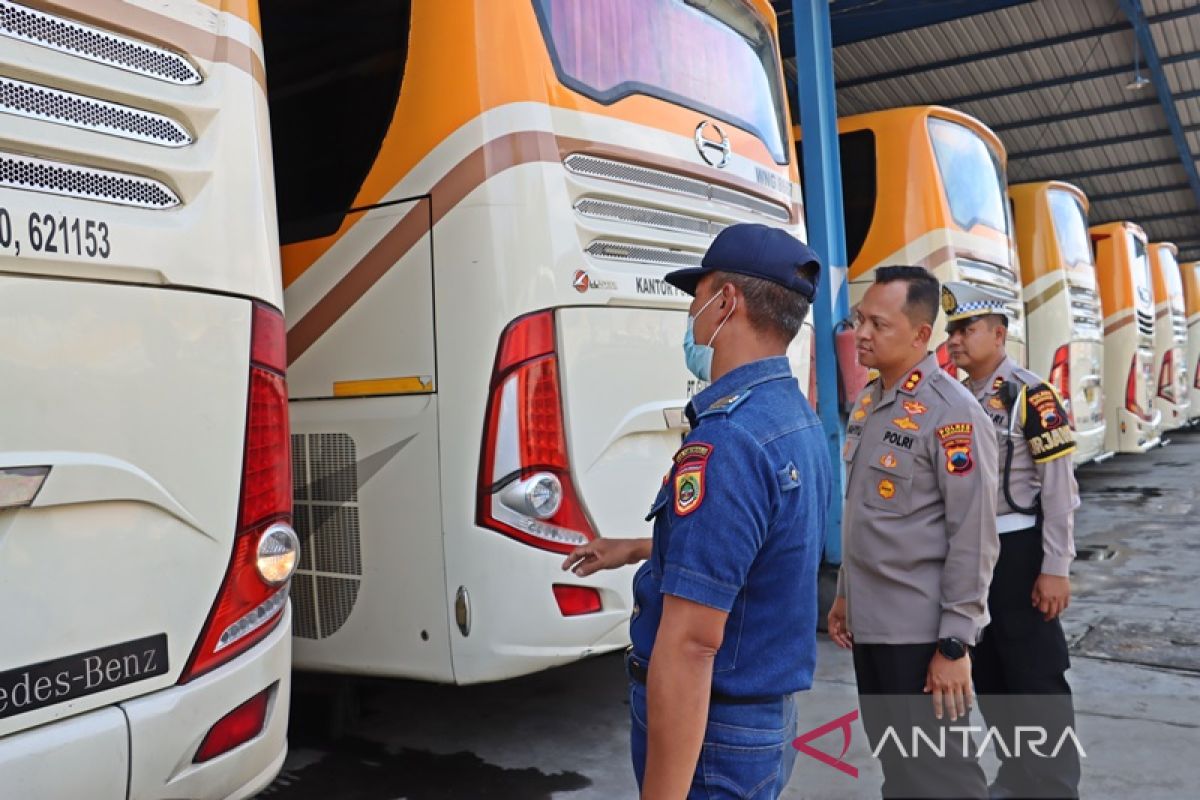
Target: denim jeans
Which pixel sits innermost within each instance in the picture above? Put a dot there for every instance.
(747, 752)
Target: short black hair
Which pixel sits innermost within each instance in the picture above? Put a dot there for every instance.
(771, 307)
(924, 291)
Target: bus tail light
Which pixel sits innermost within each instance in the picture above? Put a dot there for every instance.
(1131, 384)
(1166, 377)
(944, 360)
(1196, 380)
(1060, 378)
(525, 487)
(254, 592)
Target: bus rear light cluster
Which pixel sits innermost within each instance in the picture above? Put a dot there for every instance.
(1166, 377)
(525, 488)
(1060, 378)
(266, 549)
(1136, 373)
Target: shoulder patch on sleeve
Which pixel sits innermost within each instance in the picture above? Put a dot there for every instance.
(956, 440)
(1046, 425)
(690, 464)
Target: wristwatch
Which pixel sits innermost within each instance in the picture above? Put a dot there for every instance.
(952, 648)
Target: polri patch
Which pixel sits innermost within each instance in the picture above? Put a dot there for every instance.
(956, 441)
(690, 464)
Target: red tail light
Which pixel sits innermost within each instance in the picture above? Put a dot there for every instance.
(944, 360)
(1196, 380)
(1131, 383)
(1060, 378)
(1166, 377)
(525, 486)
(265, 551)
(574, 601)
(235, 728)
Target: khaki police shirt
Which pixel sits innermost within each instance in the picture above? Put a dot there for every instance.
(919, 531)
(1042, 445)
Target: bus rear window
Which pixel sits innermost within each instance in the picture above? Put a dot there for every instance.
(719, 61)
(1140, 259)
(1070, 228)
(1170, 270)
(970, 174)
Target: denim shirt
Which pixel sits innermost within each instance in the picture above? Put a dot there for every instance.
(739, 525)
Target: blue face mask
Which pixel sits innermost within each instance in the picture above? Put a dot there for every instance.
(699, 356)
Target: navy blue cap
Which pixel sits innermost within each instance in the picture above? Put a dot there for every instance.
(759, 251)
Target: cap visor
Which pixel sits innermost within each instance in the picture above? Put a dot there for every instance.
(686, 279)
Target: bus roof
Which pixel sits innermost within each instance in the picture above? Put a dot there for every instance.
(1035, 187)
(909, 116)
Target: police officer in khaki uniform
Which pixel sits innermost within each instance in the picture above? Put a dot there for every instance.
(1020, 663)
(919, 541)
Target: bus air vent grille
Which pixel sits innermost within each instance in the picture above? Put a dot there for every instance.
(1145, 323)
(648, 217)
(608, 169)
(84, 41)
(53, 177)
(53, 105)
(644, 254)
(326, 516)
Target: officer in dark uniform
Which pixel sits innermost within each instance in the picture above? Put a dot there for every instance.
(1020, 664)
(725, 612)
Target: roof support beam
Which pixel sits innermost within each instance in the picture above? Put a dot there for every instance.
(1071, 147)
(984, 55)
(1174, 187)
(1141, 28)
(1051, 83)
(1145, 218)
(1087, 112)
(858, 20)
(1102, 171)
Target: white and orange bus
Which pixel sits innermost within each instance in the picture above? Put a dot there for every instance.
(1170, 337)
(1126, 296)
(478, 202)
(926, 185)
(1064, 325)
(1190, 273)
(145, 490)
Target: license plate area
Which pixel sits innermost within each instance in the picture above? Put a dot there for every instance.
(59, 680)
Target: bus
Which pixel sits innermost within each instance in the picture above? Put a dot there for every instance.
(1130, 407)
(1190, 273)
(478, 202)
(1170, 337)
(145, 504)
(926, 185)
(1064, 325)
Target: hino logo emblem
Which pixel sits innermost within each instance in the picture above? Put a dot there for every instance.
(715, 153)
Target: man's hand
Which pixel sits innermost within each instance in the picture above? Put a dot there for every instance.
(950, 683)
(1051, 595)
(604, 553)
(839, 631)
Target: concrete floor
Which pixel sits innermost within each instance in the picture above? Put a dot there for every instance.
(1134, 624)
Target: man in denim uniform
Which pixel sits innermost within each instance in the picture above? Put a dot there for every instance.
(724, 619)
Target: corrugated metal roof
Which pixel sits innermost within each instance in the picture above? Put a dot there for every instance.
(1050, 78)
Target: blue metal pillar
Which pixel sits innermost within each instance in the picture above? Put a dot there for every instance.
(1141, 29)
(823, 206)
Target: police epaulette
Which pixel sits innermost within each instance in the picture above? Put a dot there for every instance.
(726, 404)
